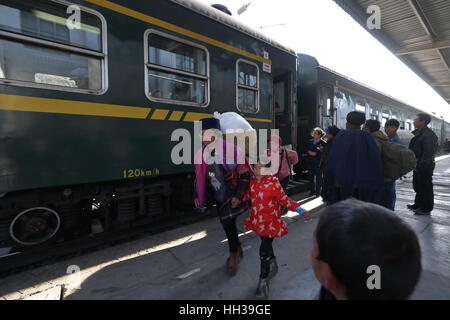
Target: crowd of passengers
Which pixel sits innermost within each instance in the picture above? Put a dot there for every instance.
(354, 170)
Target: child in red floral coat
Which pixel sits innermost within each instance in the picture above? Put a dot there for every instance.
(267, 197)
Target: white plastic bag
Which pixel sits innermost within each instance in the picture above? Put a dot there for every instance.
(234, 124)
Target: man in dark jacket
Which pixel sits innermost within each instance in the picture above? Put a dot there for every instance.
(424, 144)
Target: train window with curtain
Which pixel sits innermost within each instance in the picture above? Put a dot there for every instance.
(177, 70)
(247, 85)
(39, 49)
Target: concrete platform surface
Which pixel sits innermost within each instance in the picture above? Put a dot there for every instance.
(189, 262)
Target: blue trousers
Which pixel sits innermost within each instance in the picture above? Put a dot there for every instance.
(389, 195)
(315, 177)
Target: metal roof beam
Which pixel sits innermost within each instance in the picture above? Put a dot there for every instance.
(418, 11)
(441, 84)
(425, 47)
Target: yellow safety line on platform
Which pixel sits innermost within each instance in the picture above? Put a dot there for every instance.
(160, 23)
(33, 104)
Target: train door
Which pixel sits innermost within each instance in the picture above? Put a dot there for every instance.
(283, 103)
(325, 110)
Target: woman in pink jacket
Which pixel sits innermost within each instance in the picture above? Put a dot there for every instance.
(286, 157)
(267, 198)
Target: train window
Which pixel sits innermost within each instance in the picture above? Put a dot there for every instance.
(360, 104)
(38, 49)
(176, 70)
(247, 86)
(360, 108)
(375, 108)
(326, 101)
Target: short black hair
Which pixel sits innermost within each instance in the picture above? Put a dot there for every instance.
(333, 130)
(353, 235)
(373, 125)
(424, 117)
(392, 123)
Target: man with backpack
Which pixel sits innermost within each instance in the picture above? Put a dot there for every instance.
(397, 160)
(424, 145)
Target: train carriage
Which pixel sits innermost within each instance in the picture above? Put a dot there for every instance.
(326, 97)
(91, 92)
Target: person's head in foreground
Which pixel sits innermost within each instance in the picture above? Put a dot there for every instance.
(352, 240)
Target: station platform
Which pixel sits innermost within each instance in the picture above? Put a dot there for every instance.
(188, 263)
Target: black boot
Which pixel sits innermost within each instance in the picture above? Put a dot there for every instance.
(273, 267)
(262, 290)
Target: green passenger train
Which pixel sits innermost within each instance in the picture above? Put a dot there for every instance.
(91, 92)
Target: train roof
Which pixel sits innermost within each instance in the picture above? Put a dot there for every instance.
(377, 92)
(231, 22)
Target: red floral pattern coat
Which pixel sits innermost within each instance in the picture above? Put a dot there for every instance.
(265, 217)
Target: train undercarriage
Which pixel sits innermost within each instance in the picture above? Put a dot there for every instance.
(29, 219)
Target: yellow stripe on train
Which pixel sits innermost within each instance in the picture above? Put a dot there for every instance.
(33, 104)
(46, 105)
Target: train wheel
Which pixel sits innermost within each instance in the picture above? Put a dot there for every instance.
(34, 226)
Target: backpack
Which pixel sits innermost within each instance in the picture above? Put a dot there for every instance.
(398, 160)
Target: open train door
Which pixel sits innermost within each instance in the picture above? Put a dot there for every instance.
(284, 104)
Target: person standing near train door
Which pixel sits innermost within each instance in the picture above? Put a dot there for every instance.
(425, 145)
(314, 160)
(287, 158)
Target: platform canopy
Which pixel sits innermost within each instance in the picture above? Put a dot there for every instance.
(416, 31)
